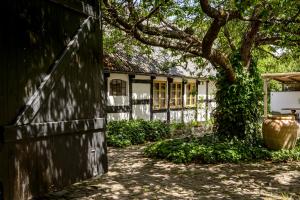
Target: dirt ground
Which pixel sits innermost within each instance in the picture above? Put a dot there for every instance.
(133, 176)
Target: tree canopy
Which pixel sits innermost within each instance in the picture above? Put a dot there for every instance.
(212, 30)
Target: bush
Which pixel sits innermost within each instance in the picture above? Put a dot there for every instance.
(130, 132)
(210, 149)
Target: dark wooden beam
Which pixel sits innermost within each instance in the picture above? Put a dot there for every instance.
(117, 109)
(160, 110)
(131, 77)
(169, 81)
(37, 130)
(151, 97)
(141, 101)
(182, 99)
(197, 86)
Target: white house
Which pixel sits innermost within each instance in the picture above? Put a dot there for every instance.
(138, 88)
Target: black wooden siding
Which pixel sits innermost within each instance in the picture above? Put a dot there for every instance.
(51, 96)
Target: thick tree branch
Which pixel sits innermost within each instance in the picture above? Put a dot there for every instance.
(207, 9)
(210, 37)
(274, 56)
(267, 40)
(167, 44)
(228, 37)
(225, 15)
(249, 39)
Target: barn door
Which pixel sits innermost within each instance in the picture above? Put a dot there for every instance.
(52, 94)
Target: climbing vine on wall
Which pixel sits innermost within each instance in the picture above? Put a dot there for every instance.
(239, 104)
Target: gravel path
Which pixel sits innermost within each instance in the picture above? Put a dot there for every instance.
(133, 176)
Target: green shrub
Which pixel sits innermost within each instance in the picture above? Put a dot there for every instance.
(210, 149)
(177, 126)
(130, 132)
(159, 130)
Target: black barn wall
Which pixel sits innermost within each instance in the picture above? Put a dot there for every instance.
(53, 137)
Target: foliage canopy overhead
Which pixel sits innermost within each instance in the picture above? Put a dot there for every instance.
(213, 30)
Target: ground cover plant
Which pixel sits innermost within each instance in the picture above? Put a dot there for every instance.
(130, 132)
(210, 149)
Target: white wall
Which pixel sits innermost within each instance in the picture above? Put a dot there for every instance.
(142, 77)
(160, 116)
(201, 115)
(117, 100)
(141, 112)
(177, 80)
(140, 91)
(160, 78)
(211, 90)
(175, 116)
(202, 90)
(189, 115)
(117, 116)
(290, 99)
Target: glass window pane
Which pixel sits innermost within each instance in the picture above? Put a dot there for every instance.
(172, 102)
(179, 86)
(162, 103)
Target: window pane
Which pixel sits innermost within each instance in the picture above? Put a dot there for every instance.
(163, 94)
(179, 102)
(172, 102)
(118, 87)
(179, 86)
(162, 103)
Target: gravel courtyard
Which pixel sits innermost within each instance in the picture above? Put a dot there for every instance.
(133, 176)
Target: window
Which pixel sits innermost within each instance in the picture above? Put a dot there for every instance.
(191, 94)
(159, 95)
(176, 95)
(117, 87)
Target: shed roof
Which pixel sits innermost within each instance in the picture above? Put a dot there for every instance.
(290, 77)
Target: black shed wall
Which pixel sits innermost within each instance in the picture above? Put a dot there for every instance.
(51, 96)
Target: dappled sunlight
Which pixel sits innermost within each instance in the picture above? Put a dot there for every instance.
(133, 176)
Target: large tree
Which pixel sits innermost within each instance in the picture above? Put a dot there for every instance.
(226, 33)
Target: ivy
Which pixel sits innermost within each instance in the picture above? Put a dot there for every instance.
(239, 104)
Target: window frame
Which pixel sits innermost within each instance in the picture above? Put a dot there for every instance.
(176, 97)
(190, 98)
(115, 90)
(160, 106)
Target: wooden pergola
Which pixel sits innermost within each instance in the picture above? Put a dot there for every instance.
(291, 77)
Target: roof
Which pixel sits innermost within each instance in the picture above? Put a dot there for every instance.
(141, 64)
(290, 77)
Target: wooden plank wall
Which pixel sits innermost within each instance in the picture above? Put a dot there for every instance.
(35, 34)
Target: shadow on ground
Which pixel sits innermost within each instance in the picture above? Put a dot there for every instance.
(133, 176)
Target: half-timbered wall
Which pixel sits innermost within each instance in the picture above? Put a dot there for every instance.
(138, 103)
